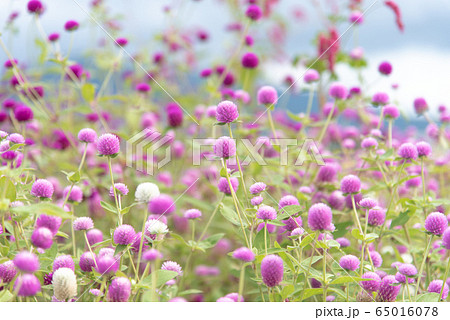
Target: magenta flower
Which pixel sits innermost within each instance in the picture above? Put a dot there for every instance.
(376, 259)
(293, 223)
(257, 187)
(368, 203)
(376, 216)
(76, 194)
(388, 292)
(272, 270)
(51, 222)
(225, 147)
(124, 235)
(174, 115)
(42, 188)
(87, 135)
(225, 187)
(108, 144)
(192, 214)
(446, 239)
(83, 223)
(338, 91)
(26, 262)
(94, 236)
(288, 200)
(256, 201)
(119, 290)
(423, 149)
(226, 112)
(107, 264)
(35, 6)
(253, 12)
(151, 255)
(350, 184)
(7, 271)
(172, 266)
(71, 25)
(121, 190)
(373, 284)
(266, 213)
(408, 151)
(27, 285)
(250, 60)
(162, 204)
(349, 262)
(420, 105)
(391, 111)
(244, 254)
(42, 238)
(385, 68)
(267, 95)
(64, 261)
(436, 286)
(436, 223)
(311, 75)
(87, 261)
(319, 217)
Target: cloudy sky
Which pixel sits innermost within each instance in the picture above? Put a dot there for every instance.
(420, 55)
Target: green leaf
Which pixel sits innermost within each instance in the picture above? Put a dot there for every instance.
(162, 276)
(287, 291)
(341, 229)
(258, 243)
(120, 248)
(108, 207)
(190, 291)
(230, 215)
(347, 279)
(307, 240)
(74, 177)
(7, 189)
(311, 292)
(43, 207)
(223, 173)
(179, 238)
(5, 296)
(88, 92)
(371, 237)
(428, 297)
(357, 235)
(402, 218)
(210, 241)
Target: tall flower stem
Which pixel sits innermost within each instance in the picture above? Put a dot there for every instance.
(241, 282)
(153, 287)
(425, 255)
(141, 244)
(356, 214)
(444, 280)
(325, 127)
(324, 251)
(116, 199)
(265, 236)
(310, 263)
(89, 246)
(272, 126)
(240, 169)
(423, 183)
(210, 220)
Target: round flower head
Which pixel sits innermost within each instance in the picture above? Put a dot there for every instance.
(292, 223)
(267, 95)
(124, 235)
(151, 255)
(87, 261)
(446, 239)
(108, 144)
(121, 190)
(42, 238)
(253, 12)
(436, 223)
(256, 201)
(436, 286)
(226, 112)
(42, 188)
(343, 242)
(172, 266)
(327, 173)
(244, 254)
(257, 187)
(407, 269)
(64, 261)
(162, 204)
(338, 91)
(250, 60)
(107, 264)
(174, 115)
(423, 149)
(71, 25)
(380, 98)
(388, 292)
(64, 284)
(225, 299)
(408, 151)
(368, 203)
(356, 17)
(272, 270)
(224, 186)
(376, 216)
(192, 214)
(376, 259)
(7, 272)
(266, 213)
(311, 75)
(369, 143)
(145, 192)
(87, 135)
(391, 111)
(235, 297)
(119, 290)
(143, 87)
(385, 68)
(225, 147)
(319, 217)
(51, 222)
(155, 227)
(76, 194)
(27, 285)
(373, 284)
(350, 184)
(288, 200)
(420, 105)
(16, 138)
(94, 236)
(349, 262)
(23, 113)
(83, 223)
(26, 262)
(35, 6)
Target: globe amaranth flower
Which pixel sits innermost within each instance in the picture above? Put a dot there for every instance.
(256, 201)
(319, 217)
(423, 149)
(376, 259)
(402, 278)
(253, 12)
(376, 216)
(87, 135)
(76, 194)
(162, 204)
(145, 192)
(373, 284)
(244, 254)
(107, 264)
(53, 37)
(94, 236)
(119, 290)
(420, 105)
(26, 262)
(172, 266)
(42, 188)
(311, 75)
(267, 95)
(226, 112)
(287, 200)
(436, 286)
(27, 285)
(192, 214)
(380, 98)
(143, 87)
(87, 261)
(124, 235)
(225, 299)
(436, 223)
(343, 242)
(42, 238)
(292, 223)
(385, 68)
(446, 239)
(349, 262)
(235, 297)
(408, 151)
(368, 203)
(387, 291)
(121, 189)
(35, 6)
(7, 271)
(174, 115)
(51, 222)
(327, 173)
(250, 60)
(369, 143)
(338, 91)
(64, 284)
(64, 261)
(155, 229)
(350, 184)
(151, 255)
(225, 147)
(108, 144)
(257, 187)
(266, 213)
(272, 270)
(83, 223)
(390, 111)
(71, 25)
(23, 113)
(356, 17)
(225, 187)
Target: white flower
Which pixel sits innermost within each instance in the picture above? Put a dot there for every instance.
(146, 191)
(64, 284)
(157, 227)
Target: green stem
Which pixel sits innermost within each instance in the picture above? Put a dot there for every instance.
(241, 283)
(90, 249)
(115, 192)
(356, 213)
(325, 286)
(240, 169)
(265, 235)
(420, 275)
(444, 280)
(325, 127)
(141, 244)
(309, 267)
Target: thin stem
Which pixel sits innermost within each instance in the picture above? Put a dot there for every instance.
(356, 213)
(114, 190)
(443, 281)
(425, 255)
(272, 127)
(309, 267)
(210, 220)
(90, 249)
(241, 283)
(325, 127)
(141, 244)
(153, 288)
(265, 235)
(324, 274)
(240, 169)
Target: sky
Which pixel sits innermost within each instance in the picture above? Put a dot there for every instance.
(420, 55)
